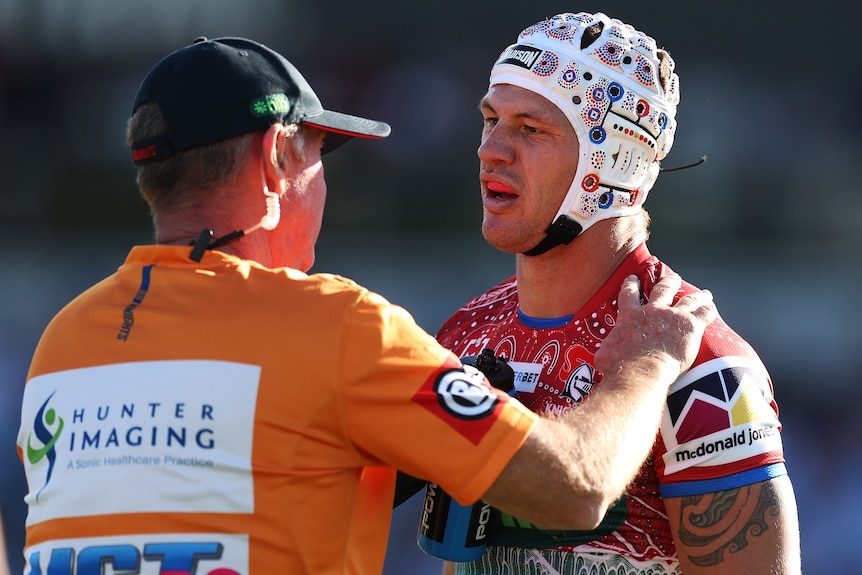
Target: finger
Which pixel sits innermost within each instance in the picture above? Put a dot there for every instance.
(665, 289)
(630, 293)
(700, 304)
(692, 300)
(706, 311)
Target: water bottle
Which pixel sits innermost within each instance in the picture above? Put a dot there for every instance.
(449, 530)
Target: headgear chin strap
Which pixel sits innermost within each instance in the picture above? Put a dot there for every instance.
(604, 76)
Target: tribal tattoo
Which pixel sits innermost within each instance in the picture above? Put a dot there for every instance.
(722, 522)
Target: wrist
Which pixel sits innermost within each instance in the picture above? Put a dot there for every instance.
(652, 369)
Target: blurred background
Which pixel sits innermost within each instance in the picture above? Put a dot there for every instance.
(770, 223)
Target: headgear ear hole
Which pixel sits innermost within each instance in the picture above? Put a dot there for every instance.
(591, 34)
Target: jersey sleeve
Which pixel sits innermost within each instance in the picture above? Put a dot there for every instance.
(408, 403)
(720, 429)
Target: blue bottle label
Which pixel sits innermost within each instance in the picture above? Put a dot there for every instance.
(452, 531)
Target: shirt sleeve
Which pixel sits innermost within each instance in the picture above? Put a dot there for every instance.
(720, 428)
(408, 404)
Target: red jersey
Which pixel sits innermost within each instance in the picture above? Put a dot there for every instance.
(720, 428)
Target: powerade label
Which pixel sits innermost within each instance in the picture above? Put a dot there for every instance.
(444, 520)
(155, 554)
(523, 56)
(450, 531)
(479, 517)
(435, 513)
(157, 430)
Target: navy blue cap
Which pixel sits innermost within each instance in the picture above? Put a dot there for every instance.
(217, 89)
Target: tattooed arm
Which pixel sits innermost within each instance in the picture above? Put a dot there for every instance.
(750, 529)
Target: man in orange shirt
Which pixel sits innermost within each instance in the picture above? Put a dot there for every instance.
(212, 408)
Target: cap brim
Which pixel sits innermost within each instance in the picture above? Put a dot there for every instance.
(343, 127)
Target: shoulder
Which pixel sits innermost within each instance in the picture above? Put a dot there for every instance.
(503, 293)
(498, 299)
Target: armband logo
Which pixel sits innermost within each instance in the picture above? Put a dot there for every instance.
(463, 393)
(458, 395)
(721, 412)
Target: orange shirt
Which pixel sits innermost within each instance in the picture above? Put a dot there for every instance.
(224, 418)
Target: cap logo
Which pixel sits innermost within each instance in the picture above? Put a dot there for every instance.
(152, 149)
(523, 56)
(144, 154)
(270, 105)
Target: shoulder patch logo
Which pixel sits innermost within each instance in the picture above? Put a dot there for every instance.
(463, 394)
(719, 413)
(458, 396)
(718, 396)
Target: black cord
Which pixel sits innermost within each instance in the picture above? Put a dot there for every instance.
(692, 165)
(203, 242)
(226, 239)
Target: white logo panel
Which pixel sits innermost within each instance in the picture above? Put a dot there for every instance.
(526, 375)
(140, 437)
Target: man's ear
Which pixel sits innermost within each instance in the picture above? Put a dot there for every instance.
(273, 152)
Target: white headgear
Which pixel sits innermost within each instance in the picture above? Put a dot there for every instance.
(604, 76)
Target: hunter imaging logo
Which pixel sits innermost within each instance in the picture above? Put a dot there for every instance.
(161, 429)
(47, 427)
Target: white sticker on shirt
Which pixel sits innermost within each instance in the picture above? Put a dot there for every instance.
(153, 554)
(140, 437)
(526, 375)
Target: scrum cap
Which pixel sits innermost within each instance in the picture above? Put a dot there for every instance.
(604, 76)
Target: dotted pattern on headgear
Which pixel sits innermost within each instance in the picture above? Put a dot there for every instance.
(611, 93)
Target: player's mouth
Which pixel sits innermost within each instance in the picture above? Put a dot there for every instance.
(495, 190)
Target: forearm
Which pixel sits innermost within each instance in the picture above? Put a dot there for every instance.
(614, 430)
(591, 454)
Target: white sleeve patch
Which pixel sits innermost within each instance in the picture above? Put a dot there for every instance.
(718, 413)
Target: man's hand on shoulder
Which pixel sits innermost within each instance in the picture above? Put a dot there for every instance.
(659, 329)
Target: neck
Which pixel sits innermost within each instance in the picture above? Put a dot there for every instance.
(226, 209)
(253, 246)
(562, 281)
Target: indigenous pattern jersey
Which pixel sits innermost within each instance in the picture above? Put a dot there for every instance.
(224, 418)
(719, 430)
